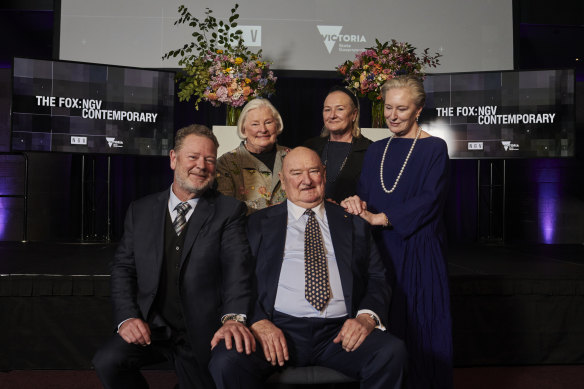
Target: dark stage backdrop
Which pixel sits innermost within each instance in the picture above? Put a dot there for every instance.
(542, 202)
(544, 197)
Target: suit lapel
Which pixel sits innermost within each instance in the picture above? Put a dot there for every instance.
(273, 241)
(204, 209)
(341, 229)
(277, 167)
(156, 235)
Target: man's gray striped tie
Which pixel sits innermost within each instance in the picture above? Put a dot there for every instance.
(180, 222)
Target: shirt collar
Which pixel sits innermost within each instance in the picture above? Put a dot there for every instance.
(297, 211)
(173, 201)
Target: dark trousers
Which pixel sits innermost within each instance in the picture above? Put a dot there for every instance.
(379, 363)
(118, 363)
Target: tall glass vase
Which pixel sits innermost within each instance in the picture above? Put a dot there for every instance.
(233, 115)
(377, 119)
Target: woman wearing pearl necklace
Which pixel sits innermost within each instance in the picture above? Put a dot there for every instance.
(341, 146)
(402, 190)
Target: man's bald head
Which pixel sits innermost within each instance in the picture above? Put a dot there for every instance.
(303, 177)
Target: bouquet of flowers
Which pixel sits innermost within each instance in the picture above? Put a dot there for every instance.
(234, 80)
(217, 66)
(366, 74)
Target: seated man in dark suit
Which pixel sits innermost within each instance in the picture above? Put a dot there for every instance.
(181, 277)
(322, 295)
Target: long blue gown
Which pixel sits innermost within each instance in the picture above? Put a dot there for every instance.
(413, 251)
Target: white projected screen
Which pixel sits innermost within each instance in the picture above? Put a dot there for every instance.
(472, 35)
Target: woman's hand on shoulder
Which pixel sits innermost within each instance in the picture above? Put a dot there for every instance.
(354, 205)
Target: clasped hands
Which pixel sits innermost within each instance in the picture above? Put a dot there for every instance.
(354, 205)
(273, 341)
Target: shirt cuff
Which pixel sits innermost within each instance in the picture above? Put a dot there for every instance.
(370, 312)
(119, 325)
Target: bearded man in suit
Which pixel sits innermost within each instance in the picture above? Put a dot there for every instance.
(181, 276)
(322, 295)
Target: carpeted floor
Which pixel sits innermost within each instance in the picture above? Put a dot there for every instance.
(517, 377)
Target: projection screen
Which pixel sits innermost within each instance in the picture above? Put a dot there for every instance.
(472, 35)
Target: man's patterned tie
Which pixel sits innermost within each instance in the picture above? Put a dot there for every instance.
(180, 222)
(317, 288)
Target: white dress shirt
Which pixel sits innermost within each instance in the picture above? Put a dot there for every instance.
(290, 294)
(173, 201)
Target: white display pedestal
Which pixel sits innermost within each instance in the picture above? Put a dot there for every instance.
(375, 134)
(227, 137)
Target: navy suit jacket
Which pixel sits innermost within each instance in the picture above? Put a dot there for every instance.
(360, 266)
(215, 267)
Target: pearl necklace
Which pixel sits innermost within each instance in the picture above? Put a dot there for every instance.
(403, 166)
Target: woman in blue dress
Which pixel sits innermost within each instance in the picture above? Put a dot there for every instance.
(402, 189)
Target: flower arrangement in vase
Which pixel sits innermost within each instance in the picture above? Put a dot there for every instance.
(217, 67)
(371, 68)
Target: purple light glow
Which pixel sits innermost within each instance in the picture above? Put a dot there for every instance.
(4, 214)
(548, 177)
(547, 222)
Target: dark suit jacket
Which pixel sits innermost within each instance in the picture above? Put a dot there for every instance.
(345, 184)
(360, 266)
(215, 271)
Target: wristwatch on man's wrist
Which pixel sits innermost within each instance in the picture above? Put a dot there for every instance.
(235, 317)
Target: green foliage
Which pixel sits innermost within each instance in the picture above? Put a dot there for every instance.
(209, 37)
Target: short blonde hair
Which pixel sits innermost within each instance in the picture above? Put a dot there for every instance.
(255, 104)
(413, 83)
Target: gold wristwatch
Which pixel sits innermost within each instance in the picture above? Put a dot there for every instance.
(235, 317)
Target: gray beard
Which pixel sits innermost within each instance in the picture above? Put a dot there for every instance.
(197, 191)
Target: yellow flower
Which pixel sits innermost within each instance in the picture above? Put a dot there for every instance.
(219, 51)
(247, 80)
(238, 61)
(227, 70)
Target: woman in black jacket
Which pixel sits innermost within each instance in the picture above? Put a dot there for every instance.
(340, 145)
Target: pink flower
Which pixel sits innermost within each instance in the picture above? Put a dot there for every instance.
(222, 93)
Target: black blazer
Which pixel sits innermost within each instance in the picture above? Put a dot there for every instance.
(360, 266)
(215, 268)
(346, 183)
